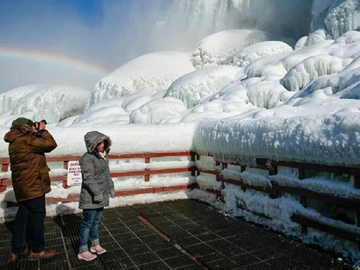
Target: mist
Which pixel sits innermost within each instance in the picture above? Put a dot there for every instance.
(110, 33)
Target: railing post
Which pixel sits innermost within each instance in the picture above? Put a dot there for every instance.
(303, 200)
(147, 176)
(223, 167)
(193, 156)
(4, 168)
(357, 217)
(197, 158)
(65, 166)
(217, 164)
(275, 190)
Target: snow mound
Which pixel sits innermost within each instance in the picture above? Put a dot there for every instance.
(267, 94)
(114, 114)
(310, 69)
(154, 73)
(11, 98)
(240, 98)
(346, 83)
(218, 47)
(159, 111)
(315, 37)
(193, 87)
(39, 102)
(258, 92)
(276, 66)
(255, 51)
(117, 110)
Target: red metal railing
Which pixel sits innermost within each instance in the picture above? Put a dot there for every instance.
(274, 191)
(304, 194)
(146, 173)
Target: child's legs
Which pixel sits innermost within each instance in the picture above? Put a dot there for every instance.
(94, 231)
(86, 225)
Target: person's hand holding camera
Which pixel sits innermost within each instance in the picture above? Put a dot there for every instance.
(39, 126)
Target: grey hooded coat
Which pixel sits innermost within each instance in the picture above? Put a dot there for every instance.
(97, 185)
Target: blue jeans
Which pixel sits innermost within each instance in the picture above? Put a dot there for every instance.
(31, 214)
(89, 228)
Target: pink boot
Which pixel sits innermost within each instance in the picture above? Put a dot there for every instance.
(86, 256)
(97, 249)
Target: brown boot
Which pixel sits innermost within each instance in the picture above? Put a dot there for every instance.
(13, 257)
(44, 254)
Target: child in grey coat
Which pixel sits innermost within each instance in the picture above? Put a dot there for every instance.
(97, 186)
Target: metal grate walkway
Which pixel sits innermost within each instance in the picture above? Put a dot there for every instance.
(184, 234)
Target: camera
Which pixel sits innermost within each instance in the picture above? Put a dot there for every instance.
(37, 127)
(37, 124)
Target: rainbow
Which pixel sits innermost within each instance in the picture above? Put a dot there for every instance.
(52, 58)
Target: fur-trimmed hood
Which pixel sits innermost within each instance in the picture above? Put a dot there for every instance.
(93, 138)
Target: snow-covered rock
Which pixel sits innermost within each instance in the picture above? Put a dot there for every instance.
(218, 47)
(39, 102)
(255, 51)
(310, 69)
(193, 87)
(159, 111)
(152, 72)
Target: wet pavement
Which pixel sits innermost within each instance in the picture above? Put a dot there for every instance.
(183, 234)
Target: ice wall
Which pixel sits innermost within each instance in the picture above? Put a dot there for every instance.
(320, 6)
(189, 21)
(331, 19)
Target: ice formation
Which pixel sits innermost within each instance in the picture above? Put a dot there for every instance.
(258, 50)
(211, 52)
(148, 73)
(39, 102)
(159, 111)
(194, 86)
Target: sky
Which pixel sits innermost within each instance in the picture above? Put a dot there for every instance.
(237, 94)
(71, 42)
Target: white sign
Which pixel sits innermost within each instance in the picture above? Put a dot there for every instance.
(74, 174)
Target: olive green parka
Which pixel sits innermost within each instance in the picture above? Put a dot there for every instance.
(29, 171)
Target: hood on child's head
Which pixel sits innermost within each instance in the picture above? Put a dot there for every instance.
(93, 138)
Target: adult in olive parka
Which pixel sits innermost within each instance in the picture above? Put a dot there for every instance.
(31, 181)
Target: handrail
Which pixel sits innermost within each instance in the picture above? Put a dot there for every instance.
(275, 190)
(146, 173)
